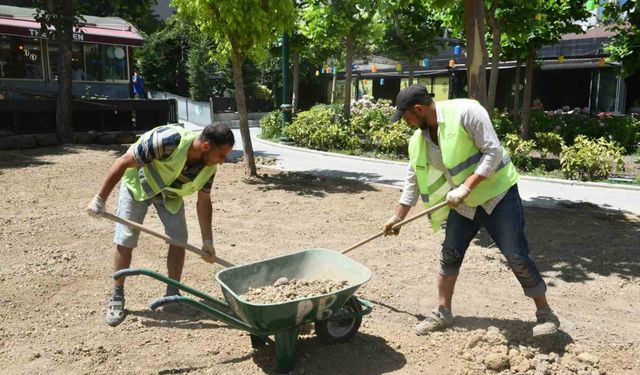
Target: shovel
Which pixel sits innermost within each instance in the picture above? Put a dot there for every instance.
(397, 226)
(170, 240)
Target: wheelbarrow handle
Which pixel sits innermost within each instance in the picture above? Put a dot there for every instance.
(184, 245)
(128, 272)
(406, 221)
(162, 301)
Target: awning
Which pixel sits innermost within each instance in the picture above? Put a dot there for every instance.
(111, 36)
(86, 34)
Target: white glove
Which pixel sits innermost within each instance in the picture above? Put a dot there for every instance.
(393, 220)
(207, 247)
(457, 195)
(96, 207)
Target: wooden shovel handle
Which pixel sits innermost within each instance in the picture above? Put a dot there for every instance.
(170, 240)
(406, 221)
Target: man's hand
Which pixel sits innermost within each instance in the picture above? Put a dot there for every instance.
(457, 195)
(207, 246)
(393, 220)
(96, 207)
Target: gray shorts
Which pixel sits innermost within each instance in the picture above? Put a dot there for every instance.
(175, 225)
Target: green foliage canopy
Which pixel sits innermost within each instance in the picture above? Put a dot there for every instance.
(241, 28)
(625, 45)
(410, 27)
(541, 22)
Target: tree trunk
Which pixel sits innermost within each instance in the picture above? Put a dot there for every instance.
(346, 108)
(516, 88)
(476, 50)
(528, 89)
(241, 103)
(334, 85)
(296, 83)
(64, 105)
(411, 68)
(495, 56)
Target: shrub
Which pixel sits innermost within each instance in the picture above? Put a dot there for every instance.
(504, 124)
(543, 122)
(625, 130)
(321, 127)
(392, 138)
(519, 151)
(571, 123)
(549, 143)
(589, 160)
(368, 117)
(271, 124)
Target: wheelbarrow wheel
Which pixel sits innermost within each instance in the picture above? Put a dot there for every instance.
(339, 331)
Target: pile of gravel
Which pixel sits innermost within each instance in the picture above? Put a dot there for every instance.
(284, 290)
(491, 351)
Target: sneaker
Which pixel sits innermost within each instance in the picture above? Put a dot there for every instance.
(115, 312)
(547, 322)
(440, 319)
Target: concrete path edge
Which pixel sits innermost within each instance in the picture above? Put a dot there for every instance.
(531, 178)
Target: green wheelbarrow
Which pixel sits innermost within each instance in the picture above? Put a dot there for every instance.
(336, 315)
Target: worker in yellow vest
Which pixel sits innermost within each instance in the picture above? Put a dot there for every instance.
(164, 165)
(455, 156)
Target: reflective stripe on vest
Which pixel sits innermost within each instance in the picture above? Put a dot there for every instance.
(157, 179)
(473, 160)
(148, 190)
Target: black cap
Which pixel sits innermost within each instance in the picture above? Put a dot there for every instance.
(409, 96)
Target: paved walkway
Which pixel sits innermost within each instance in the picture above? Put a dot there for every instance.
(534, 191)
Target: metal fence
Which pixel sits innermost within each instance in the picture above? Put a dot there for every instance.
(224, 109)
(189, 110)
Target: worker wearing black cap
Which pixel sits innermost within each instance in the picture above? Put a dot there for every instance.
(455, 156)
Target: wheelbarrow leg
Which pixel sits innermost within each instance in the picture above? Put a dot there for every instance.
(258, 341)
(286, 347)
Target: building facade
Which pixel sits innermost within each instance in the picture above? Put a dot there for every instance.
(574, 72)
(102, 55)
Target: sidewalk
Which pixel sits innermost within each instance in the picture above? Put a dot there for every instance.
(534, 191)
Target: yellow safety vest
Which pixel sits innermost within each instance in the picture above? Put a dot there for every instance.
(460, 156)
(157, 177)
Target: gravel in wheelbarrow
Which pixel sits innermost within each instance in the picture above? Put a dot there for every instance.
(291, 289)
(312, 264)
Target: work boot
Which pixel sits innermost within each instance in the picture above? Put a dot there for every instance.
(115, 311)
(547, 322)
(439, 319)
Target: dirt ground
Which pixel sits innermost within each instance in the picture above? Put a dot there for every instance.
(56, 263)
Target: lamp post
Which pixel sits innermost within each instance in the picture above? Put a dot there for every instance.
(286, 106)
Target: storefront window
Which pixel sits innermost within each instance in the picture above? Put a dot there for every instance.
(605, 81)
(93, 62)
(105, 62)
(77, 60)
(20, 57)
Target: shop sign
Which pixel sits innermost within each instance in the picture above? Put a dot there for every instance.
(37, 33)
